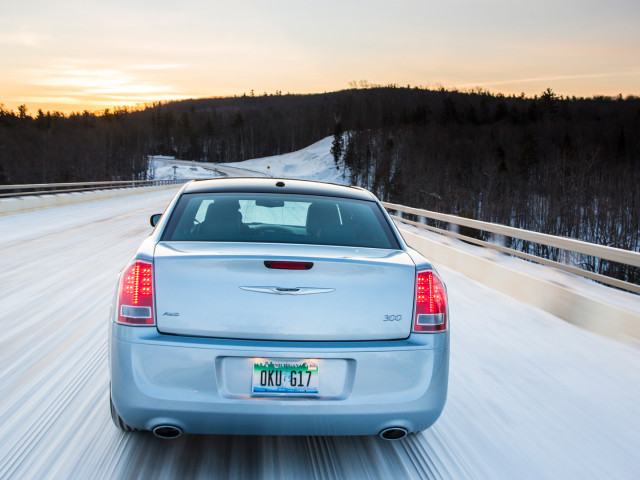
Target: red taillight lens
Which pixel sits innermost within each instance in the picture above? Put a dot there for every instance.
(135, 298)
(431, 303)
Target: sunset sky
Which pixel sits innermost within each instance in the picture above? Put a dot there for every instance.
(84, 54)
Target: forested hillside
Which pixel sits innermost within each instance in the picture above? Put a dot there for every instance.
(563, 166)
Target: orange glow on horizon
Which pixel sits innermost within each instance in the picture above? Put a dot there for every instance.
(55, 60)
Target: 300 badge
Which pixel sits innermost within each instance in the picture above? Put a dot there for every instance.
(392, 318)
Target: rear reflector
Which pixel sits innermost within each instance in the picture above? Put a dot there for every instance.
(288, 265)
(135, 296)
(431, 303)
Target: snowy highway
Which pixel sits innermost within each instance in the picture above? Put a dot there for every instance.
(530, 396)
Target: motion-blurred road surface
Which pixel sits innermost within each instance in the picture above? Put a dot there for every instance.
(530, 395)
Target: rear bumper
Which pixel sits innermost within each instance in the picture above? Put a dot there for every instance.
(203, 385)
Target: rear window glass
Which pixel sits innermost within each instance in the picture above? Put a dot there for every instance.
(279, 219)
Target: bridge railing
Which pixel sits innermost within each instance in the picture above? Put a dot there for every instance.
(47, 188)
(618, 255)
(568, 244)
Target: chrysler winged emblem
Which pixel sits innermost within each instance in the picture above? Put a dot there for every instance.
(288, 290)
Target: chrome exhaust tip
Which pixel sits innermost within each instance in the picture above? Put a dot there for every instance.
(167, 432)
(393, 433)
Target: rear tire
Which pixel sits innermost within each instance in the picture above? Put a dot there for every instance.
(117, 420)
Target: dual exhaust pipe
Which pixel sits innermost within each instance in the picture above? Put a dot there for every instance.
(168, 432)
(393, 433)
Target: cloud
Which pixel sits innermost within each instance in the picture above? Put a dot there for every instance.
(26, 39)
(102, 86)
(169, 66)
(550, 78)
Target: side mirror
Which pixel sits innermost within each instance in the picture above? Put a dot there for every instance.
(155, 219)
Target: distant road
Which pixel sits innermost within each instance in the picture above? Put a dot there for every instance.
(219, 170)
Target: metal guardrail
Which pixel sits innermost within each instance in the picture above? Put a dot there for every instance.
(600, 251)
(48, 188)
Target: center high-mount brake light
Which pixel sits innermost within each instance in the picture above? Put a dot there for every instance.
(431, 303)
(285, 265)
(135, 295)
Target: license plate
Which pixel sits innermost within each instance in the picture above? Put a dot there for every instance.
(285, 376)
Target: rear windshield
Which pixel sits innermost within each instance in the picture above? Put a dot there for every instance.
(207, 217)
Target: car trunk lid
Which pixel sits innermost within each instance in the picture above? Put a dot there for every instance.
(283, 292)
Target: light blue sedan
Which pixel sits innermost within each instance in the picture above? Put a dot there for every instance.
(277, 307)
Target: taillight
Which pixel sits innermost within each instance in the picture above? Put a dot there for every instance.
(135, 296)
(431, 303)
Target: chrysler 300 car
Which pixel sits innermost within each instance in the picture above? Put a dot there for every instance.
(277, 307)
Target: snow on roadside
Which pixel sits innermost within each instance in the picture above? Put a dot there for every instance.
(314, 162)
(161, 167)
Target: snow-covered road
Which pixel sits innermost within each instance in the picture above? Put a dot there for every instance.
(530, 395)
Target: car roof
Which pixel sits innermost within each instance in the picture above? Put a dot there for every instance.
(276, 185)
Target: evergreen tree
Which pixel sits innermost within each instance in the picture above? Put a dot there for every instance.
(338, 143)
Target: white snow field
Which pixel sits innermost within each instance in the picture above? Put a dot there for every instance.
(314, 162)
(530, 397)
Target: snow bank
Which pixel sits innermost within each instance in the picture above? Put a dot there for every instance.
(314, 162)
